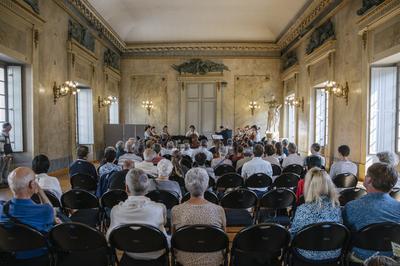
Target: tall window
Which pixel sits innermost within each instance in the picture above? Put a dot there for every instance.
(321, 116)
(113, 113)
(291, 120)
(384, 126)
(85, 116)
(11, 102)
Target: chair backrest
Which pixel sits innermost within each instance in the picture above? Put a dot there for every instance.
(211, 182)
(19, 237)
(167, 156)
(260, 240)
(224, 169)
(351, 194)
(322, 237)
(395, 193)
(276, 170)
(178, 179)
(288, 180)
(208, 195)
(71, 236)
(138, 238)
(112, 198)
(231, 180)
(83, 181)
(278, 198)
(377, 237)
(52, 198)
(199, 239)
(164, 197)
(239, 170)
(187, 161)
(241, 198)
(258, 180)
(293, 168)
(346, 180)
(79, 199)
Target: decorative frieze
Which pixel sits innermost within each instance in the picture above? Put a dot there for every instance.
(34, 4)
(112, 59)
(81, 34)
(200, 67)
(290, 59)
(367, 5)
(320, 36)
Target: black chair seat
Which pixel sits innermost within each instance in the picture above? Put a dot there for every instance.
(258, 180)
(224, 169)
(293, 168)
(346, 180)
(83, 181)
(236, 204)
(286, 180)
(52, 198)
(276, 205)
(112, 198)
(164, 197)
(238, 217)
(351, 194)
(276, 170)
(231, 180)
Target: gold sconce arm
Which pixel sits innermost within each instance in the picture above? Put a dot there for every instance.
(65, 89)
(107, 101)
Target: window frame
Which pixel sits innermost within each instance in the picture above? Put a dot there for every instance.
(288, 108)
(77, 115)
(326, 127)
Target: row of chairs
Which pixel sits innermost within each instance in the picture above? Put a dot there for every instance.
(263, 244)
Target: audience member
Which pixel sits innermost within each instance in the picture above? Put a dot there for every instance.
(179, 169)
(157, 149)
(293, 158)
(147, 132)
(82, 165)
(315, 152)
(375, 207)
(187, 151)
(117, 179)
(109, 159)
(279, 154)
(41, 165)
(321, 205)
(162, 182)
(237, 153)
(120, 149)
(129, 155)
(220, 159)
(203, 149)
(147, 165)
(197, 210)
(388, 157)
(380, 261)
(285, 143)
(169, 149)
(343, 165)
(165, 134)
(200, 161)
(247, 156)
(269, 152)
(140, 210)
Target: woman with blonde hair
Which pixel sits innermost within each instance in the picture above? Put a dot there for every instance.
(321, 205)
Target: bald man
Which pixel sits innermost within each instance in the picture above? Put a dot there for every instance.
(39, 216)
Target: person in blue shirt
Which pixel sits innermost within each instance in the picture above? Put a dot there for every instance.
(39, 216)
(375, 207)
(82, 165)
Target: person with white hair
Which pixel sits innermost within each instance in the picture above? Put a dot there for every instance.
(147, 165)
(197, 210)
(41, 216)
(162, 182)
(187, 151)
(169, 150)
(138, 209)
(129, 155)
(293, 158)
(389, 157)
(120, 147)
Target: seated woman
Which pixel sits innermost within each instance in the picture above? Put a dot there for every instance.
(109, 165)
(164, 168)
(220, 158)
(197, 210)
(321, 205)
(269, 155)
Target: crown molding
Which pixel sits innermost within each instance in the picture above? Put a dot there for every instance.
(378, 15)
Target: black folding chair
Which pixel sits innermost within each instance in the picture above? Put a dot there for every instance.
(167, 156)
(258, 180)
(260, 245)
(83, 181)
(224, 169)
(208, 195)
(395, 193)
(276, 170)
(52, 198)
(351, 194)
(346, 180)
(277, 205)
(81, 206)
(107, 202)
(178, 179)
(231, 180)
(377, 237)
(286, 180)
(325, 236)
(187, 162)
(79, 245)
(18, 238)
(294, 168)
(200, 239)
(139, 238)
(164, 197)
(236, 204)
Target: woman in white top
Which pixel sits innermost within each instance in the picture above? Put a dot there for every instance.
(41, 165)
(293, 157)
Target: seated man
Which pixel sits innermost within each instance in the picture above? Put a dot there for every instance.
(41, 165)
(140, 210)
(203, 149)
(129, 155)
(117, 179)
(293, 157)
(39, 216)
(147, 165)
(315, 152)
(82, 165)
(375, 207)
(344, 165)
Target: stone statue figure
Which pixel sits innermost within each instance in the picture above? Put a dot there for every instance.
(273, 115)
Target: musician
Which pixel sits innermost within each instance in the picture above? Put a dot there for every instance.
(255, 134)
(147, 132)
(165, 134)
(192, 131)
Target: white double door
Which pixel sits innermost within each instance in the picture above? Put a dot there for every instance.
(201, 105)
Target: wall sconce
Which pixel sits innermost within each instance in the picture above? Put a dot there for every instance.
(341, 91)
(104, 102)
(67, 88)
(148, 105)
(253, 105)
(296, 102)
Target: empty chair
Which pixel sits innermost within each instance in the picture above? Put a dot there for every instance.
(164, 197)
(139, 238)
(81, 206)
(294, 168)
(19, 238)
(224, 169)
(52, 198)
(277, 205)
(107, 202)
(346, 180)
(351, 194)
(78, 245)
(395, 193)
(259, 245)
(231, 180)
(236, 204)
(83, 181)
(208, 195)
(286, 180)
(200, 241)
(258, 180)
(276, 170)
(317, 238)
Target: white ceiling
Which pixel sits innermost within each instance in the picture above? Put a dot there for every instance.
(198, 20)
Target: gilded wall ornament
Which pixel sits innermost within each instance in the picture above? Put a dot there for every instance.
(81, 34)
(112, 59)
(367, 5)
(320, 35)
(199, 67)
